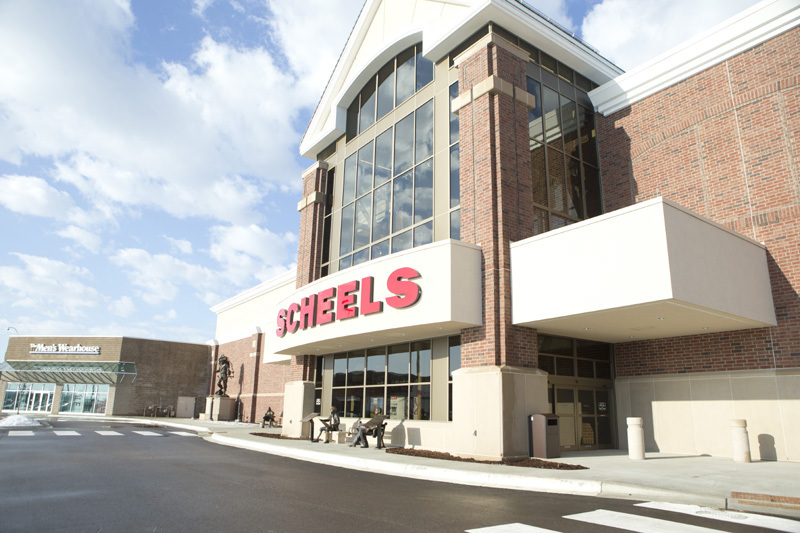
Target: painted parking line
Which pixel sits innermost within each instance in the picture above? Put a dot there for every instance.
(641, 524)
(511, 528)
(18, 433)
(109, 433)
(737, 517)
(67, 433)
(149, 433)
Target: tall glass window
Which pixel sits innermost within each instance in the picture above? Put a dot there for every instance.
(566, 180)
(83, 398)
(396, 379)
(393, 84)
(29, 397)
(388, 191)
(455, 170)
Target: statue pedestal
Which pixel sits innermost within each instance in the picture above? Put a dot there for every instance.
(220, 408)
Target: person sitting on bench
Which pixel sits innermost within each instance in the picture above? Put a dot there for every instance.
(329, 424)
(269, 416)
(366, 429)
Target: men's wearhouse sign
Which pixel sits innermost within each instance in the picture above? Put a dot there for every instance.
(349, 300)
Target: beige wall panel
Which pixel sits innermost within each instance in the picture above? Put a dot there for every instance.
(642, 396)
(525, 393)
(712, 410)
(672, 416)
(789, 405)
(755, 399)
(476, 412)
(298, 402)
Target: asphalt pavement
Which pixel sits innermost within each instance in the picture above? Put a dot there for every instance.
(768, 487)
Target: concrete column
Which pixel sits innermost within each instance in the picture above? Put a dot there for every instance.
(298, 402)
(636, 438)
(491, 408)
(741, 442)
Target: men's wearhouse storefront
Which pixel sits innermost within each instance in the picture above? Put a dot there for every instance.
(500, 222)
(102, 375)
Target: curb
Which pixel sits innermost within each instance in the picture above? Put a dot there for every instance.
(479, 479)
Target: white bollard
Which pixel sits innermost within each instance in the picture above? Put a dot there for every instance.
(741, 443)
(635, 438)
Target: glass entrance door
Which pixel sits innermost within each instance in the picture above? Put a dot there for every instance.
(584, 417)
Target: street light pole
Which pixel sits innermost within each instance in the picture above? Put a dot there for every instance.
(9, 328)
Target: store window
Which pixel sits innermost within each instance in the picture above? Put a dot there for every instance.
(563, 146)
(84, 398)
(396, 379)
(29, 397)
(395, 83)
(387, 198)
(386, 184)
(455, 170)
(559, 356)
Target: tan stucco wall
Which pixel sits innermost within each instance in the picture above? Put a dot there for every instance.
(691, 413)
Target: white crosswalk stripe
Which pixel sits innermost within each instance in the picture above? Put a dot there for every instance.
(67, 433)
(511, 528)
(643, 524)
(750, 519)
(109, 433)
(18, 433)
(183, 433)
(640, 524)
(149, 433)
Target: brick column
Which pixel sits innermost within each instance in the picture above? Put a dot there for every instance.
(496, 191)
(312, 215)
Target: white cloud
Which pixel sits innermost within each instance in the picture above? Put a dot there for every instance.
(168, 316)
(179, 245)
(199, 6)
(631, 32)
(160, 275)
(30, 195)
(556, 10)
(313, 34)
(82, 237)
(202, 137)
(122, 307)
(48, 286)
(245, 251)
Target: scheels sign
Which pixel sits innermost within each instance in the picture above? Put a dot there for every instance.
(349, 300)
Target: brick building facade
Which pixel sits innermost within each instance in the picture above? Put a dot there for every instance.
(104, 375)
(499, 222)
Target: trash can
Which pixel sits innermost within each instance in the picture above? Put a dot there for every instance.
(544, 439)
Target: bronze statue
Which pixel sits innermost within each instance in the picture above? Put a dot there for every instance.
(224, 371)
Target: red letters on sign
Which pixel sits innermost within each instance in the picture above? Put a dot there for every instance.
(346, 304)
(320, 308)
(368, 305)
(406, 292)
(325, 311)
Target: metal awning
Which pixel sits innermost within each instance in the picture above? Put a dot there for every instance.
(109, 373)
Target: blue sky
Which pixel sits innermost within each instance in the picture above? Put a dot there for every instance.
(149, 163)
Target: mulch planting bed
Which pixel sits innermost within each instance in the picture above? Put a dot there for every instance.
(526, 463)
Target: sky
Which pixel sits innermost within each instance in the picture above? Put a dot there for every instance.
(149, 164)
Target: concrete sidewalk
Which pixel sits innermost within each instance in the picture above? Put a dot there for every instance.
(767, 487)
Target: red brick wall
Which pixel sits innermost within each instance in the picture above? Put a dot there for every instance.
(255, 384)
(496, 206)
(724, 143)
(309, 250)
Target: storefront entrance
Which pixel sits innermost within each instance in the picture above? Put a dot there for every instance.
(580, 389)
(29, 397)
(584, 417)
